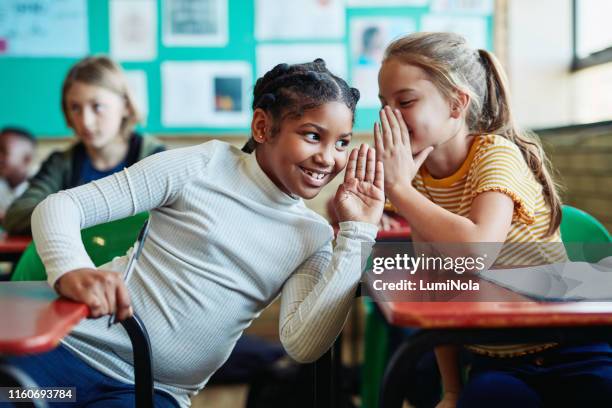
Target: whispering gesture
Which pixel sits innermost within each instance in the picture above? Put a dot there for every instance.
(361, 196)
(392, 141)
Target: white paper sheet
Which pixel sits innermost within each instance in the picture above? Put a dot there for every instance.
(369, 38)
(133, 30)
(137, 84)
(214, 94)
(270, 55)
(299, 19)
(463, 6)
(43, 28)
(387, 3)
(561, 281)
(473, 28)
(195, 23)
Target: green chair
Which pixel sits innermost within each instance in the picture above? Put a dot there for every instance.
(102, 242)
(584, 237)
(577, 229)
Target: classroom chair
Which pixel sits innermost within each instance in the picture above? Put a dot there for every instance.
(104, 242)
(577, 229)
(581, 233)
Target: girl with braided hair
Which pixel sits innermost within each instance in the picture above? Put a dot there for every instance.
(229, 232)
(460, 171)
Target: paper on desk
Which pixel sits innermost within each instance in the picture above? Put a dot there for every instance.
(561, 281)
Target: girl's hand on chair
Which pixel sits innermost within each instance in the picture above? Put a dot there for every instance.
(392, 141)
(104, 292)
(449, 400)
(361, 196)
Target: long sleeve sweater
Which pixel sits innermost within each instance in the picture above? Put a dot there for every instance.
(224, 242)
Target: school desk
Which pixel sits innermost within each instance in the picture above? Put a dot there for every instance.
(11, 247)
(33, 319)
(471, 320)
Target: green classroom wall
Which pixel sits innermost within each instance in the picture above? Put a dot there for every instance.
(31, 87)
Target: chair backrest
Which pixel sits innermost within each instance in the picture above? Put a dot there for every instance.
(581, 233)
(102, 242)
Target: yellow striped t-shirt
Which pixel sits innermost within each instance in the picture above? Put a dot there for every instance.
(496, 164)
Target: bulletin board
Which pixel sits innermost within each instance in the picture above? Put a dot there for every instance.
(192, 63)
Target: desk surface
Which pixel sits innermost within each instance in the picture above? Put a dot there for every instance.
(13, 244)
(33, 319)
(467, 312)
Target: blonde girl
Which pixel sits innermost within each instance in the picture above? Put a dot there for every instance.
(99, 108)
(460, 171)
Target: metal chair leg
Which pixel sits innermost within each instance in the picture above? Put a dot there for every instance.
(143, 363)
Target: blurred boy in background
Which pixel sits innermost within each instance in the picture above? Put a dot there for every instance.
(16, 154)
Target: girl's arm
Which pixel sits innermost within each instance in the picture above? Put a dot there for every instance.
(58, 220)
(317, 297)
(48, 180)
(491, 212)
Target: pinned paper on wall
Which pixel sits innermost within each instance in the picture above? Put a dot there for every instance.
(369, 38)
(473, 28)
(214, 94)
(299, 19)
(195, 23)
(137, 85)
(133, 30)
(463, 6)
(269, 55)
(43, 28)
(387, 3)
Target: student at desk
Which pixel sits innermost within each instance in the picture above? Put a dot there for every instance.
(459, 170)
(98, 106)
(229, 232)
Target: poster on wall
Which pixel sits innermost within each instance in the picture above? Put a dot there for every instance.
(137, 85)
(195, 23)
(473, 28)
(483, 7)
(133, 30)
(299, 19)
(43, 28)
(207, 94)
(369, 36)
(269, 55)
(387, 3)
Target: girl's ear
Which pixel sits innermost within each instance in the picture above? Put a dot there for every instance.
(459, 104)
(260, 126)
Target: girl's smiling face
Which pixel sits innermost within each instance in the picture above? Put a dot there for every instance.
(427, 113)
(308, 151)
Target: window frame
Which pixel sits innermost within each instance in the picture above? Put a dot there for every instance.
(598, 57)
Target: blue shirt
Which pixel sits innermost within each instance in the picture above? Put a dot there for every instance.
(89, 173)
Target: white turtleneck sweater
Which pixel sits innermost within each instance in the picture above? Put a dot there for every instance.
(223, 243)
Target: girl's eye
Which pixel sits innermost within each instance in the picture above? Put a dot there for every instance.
(404, 104)
(342, 144)
(313, 137)
(97, 107)
(75, 108)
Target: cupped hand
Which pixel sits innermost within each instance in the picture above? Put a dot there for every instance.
(392, 141)
(361, 196)
(104, 292)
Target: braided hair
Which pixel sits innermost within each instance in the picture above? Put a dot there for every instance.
(289, 90)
